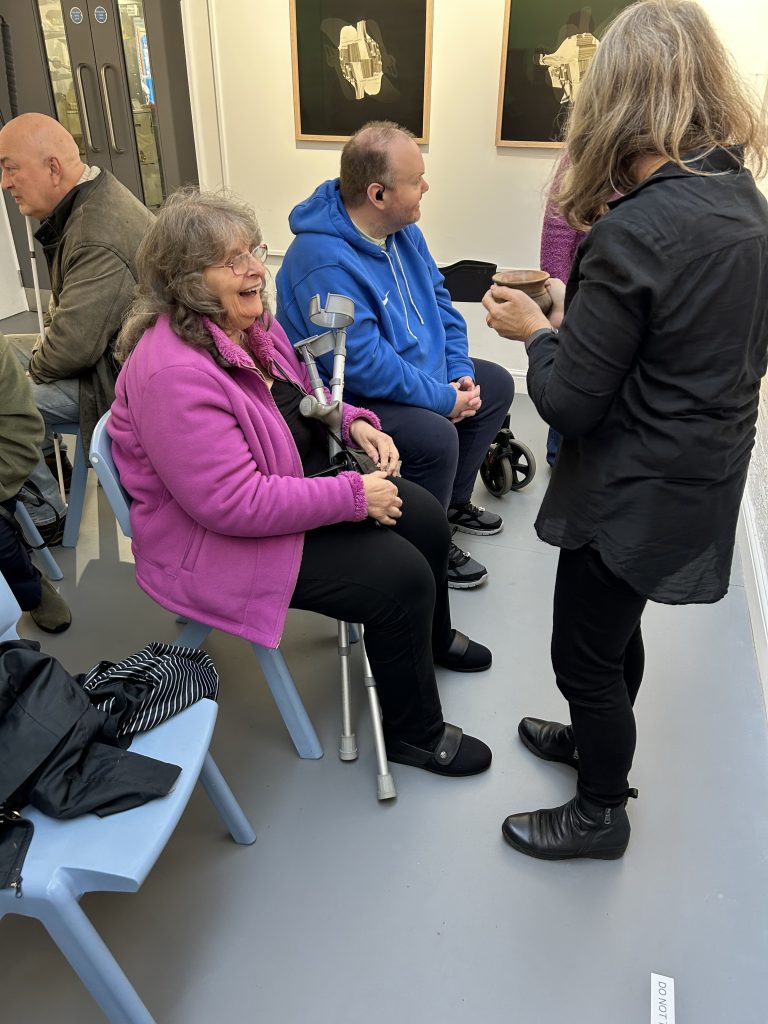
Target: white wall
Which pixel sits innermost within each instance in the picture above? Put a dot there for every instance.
(483, 203)
(12, 296)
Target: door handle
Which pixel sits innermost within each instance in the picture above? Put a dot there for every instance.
(108, 107)
(84, 108)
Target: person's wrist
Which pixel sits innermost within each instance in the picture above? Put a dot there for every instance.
(539, 332)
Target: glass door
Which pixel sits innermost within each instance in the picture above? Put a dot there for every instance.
(141, 91)
(60, 69)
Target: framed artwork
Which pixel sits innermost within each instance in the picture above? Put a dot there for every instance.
(547, 49)
(360, 60)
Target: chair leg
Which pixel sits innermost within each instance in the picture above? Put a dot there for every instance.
(193, 634)
(91, 959)
(227, 807)
(31, 532)
(288, 701)
(76, 496)
(348, 741)
(385, 784)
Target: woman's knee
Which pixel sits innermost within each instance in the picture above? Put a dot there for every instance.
(424, 522)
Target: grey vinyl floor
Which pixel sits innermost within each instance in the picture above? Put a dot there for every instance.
(416, 911)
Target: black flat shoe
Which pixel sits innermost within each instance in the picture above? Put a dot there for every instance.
(464, 655)
(579, 828)
(453, 754)
(550, 741)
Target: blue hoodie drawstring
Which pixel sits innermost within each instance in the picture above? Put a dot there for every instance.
(399, 292)
(407, 286)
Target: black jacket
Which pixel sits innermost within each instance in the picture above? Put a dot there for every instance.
(654, 379)
(53, 752)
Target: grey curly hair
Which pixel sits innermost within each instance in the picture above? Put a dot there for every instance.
(192, 231)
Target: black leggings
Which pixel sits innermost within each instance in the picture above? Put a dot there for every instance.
(16, 565)
(393, 580)
(598, 658)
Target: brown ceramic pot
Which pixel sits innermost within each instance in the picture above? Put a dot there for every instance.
(532, 282)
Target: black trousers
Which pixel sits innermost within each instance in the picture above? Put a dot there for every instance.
(394, 581)
(598, 658)
(16, 565)
(441, 456)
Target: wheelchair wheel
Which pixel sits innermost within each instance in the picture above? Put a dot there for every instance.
(522, 463)
(508, 466)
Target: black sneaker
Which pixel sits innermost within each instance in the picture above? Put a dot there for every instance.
(470, 518)
(463, 571)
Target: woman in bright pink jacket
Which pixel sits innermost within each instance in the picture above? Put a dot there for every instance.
(234, 515)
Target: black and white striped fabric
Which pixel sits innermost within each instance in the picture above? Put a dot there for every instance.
(150, 686)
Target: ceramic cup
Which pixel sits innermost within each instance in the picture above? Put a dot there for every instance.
(532, 282)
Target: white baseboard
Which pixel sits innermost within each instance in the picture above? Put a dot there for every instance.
(521, 382)
(756, 585)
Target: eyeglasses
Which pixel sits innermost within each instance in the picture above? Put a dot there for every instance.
(239, 264)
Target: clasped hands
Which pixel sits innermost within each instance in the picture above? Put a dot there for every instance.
(384, 503)
(513, 314)
(467, 399)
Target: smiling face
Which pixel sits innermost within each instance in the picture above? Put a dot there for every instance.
(239, 294)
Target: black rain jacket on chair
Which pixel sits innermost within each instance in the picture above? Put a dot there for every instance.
(52, 753)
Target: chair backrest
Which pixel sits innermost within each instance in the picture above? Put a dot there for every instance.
(101, 460)
(468, 280)
(9, 612)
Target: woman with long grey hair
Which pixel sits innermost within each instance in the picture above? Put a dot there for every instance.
(652, 380)
(235, 515)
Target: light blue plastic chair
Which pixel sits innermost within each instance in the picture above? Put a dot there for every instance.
(9, 612)
(77, 486)
(31, 532)
(67, 859)
(272, 662)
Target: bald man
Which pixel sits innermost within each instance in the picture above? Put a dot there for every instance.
(90, 229)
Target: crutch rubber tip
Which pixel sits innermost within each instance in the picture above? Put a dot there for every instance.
(348, 748)
(385, 787)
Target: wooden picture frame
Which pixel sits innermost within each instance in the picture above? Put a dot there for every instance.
(360, 60)
(545, 44)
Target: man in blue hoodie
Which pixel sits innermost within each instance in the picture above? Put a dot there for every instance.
(407, 351)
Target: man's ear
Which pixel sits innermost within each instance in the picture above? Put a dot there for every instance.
(375, 192)
(54, 168)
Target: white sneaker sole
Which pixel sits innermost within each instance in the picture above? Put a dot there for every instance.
(469, 585)
(475, 533)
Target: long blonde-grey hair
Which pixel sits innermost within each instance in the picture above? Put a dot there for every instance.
(661, 83)
(193, 230)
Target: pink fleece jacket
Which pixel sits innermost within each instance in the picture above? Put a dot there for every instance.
(220, 503)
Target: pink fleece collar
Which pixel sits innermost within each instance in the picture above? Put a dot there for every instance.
(259, 343)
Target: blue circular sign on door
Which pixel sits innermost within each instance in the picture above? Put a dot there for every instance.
(100, 14)
(76, 15)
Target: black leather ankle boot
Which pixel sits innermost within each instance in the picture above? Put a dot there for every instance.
(579, 828)
(550, 741)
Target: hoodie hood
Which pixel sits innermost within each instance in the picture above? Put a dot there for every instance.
(325, 214)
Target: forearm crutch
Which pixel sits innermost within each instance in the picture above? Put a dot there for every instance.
(336, 317)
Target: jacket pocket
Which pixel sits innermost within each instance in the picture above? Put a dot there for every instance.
(192, 550)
